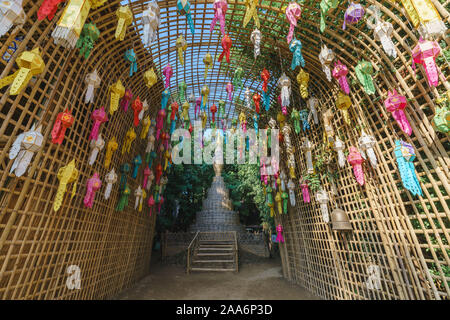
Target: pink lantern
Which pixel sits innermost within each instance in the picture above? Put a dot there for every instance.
(425, 53)
(146, 174)
(220, 10)
(396, 103)
(293, 13)
(99, 116)
(356, 160)
(279, 234)
(151, 203)
(93, 184)
(125, 102)
(229, 89)
(198, 103)
(340, 72)
(168, 72)
(305, 192)
(160, 122)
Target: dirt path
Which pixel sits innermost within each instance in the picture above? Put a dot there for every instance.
(254, 281)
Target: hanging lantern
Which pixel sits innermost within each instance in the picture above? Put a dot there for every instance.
(304, 115)
(229, 88)
(11, 12)
(295, 117)
(204, 93)
(66, 175)
(405, 155)
(425, 18)
(123, 200)
(137, 161)
(92, 186)
(130, 56)
(366, 144)
(329, 131)
(220, 10)
(30, 64)
(339, 147)
(293, 13)
(88, 37)
(63, 121)
(110, 179)
(265, 76)
(70, 25)
(325, 6)
(284, 83)
(297, 58)
(340, 72)
(353, 14)
(117, 92)
(185, 114)
(256, 101)
(125, 102)
(141, 114)
(165, 96)
(312, 103)
(99, 116)
(355, 159)
(302, 80)
(237, 78)
(137, 108)
(48, 9)
(441, 119)
(184, 8)
(160, 122)
(425, 53)
(96, 146)
(305, 191)
(291, 187)
(251, 12)
(340, 221)
(207, 60)
(382, 30)
(168, 72)
(151, 19)
(243, 121)
(322, 198)
(255, 38)
(124, 169)
(110, 149)
(125, 18)
(364, 71)
(181, 45)
(24, 148)
(343, 102)
(129, 138)
(307, 147)
(150, 78)
(198, 103)
(226, 45)
(140, 196)
(213, 112)
(395, 104)
(326, 57)
(93, 82)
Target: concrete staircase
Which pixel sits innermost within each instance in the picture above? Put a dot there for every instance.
(213, 251)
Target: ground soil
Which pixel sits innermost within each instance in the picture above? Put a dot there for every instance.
(260, 280)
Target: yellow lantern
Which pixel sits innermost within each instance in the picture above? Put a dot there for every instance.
(343, 102)
(302, 80)
(125, 17)
(117, 92)
(150, 78)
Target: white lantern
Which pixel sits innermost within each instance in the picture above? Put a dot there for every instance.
(23, 149)
(151, 20)
(322, 198)
(11, 12)
(255, 38)
(96, 146)
(93, 82)
(111, 178)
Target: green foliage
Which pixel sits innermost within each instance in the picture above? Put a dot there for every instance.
(188, 185)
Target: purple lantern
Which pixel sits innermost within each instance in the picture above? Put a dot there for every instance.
(353, 14)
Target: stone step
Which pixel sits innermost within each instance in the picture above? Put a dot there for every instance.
(217, 249)
(212, 254)
(213, 261)
(212, 269)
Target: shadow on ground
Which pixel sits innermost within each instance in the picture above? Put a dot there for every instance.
(261, 280)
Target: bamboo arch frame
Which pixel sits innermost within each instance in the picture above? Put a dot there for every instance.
(36, 244)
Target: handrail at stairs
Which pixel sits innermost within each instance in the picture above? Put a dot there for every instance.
(190, 251)
(236, 251)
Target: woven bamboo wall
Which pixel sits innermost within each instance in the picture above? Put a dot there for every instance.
(407, 237)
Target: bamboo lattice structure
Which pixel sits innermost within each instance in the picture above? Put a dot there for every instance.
(407, 237)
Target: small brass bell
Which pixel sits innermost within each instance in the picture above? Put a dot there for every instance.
(340, 221)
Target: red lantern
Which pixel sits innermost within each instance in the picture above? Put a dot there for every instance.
(137, 108)
(226, 45)
(256, 101)
(265, 76)
(213, 111)
(63, 121)
(48, 9)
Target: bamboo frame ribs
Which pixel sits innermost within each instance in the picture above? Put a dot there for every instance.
(406, 237)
